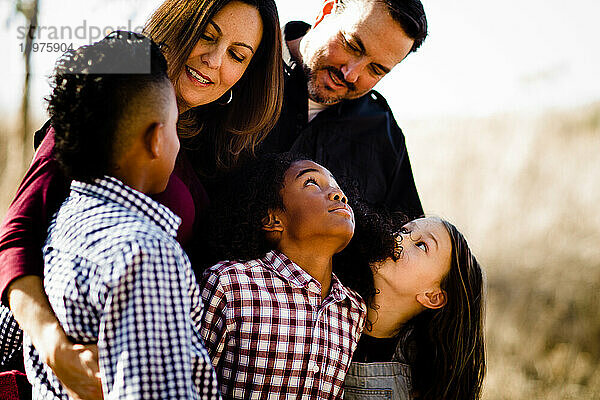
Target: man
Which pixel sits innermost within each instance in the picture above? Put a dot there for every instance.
(330, 113)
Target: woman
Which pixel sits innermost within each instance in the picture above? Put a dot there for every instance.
(225, 62)
(424, 291)
(192, 48)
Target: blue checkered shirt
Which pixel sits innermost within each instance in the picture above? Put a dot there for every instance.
(115, 275)
(10, 337)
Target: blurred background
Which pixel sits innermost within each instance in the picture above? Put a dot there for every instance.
(501, 112)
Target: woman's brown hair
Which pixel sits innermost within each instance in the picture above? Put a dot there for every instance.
(223, 132)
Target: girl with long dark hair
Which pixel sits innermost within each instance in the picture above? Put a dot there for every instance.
(424, 290)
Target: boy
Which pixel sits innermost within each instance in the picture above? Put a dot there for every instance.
(114, 273)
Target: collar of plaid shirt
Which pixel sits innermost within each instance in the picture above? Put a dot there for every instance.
(280, 264)
(111, 189)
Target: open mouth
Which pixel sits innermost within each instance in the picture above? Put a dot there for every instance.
(196, 76)
(336, 81)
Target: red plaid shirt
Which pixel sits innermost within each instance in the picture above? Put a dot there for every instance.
(271, 336)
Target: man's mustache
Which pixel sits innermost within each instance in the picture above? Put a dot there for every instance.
(340, 77)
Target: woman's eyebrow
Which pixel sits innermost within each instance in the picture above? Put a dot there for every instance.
(244, 45)
(220, 32)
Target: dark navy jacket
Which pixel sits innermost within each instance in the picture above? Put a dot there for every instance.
(356, 138)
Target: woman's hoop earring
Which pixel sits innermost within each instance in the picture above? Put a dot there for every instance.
(224, 103)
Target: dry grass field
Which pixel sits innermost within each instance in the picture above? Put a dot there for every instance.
(525, 190)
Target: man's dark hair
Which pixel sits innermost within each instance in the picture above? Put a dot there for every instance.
(98, 90)
(408, 13)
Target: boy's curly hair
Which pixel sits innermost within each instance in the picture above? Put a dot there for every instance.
(97, 87)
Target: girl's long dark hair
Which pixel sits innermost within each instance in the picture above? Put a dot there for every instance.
(445, 347)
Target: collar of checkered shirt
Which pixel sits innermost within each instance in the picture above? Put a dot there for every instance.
(295, 275)
(111, 189)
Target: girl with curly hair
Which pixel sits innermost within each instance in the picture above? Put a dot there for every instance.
(224, 60)
(425, 296)
(278, 323)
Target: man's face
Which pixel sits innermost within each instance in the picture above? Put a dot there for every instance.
(347, 52)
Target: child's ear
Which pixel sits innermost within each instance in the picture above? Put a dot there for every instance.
(433, 299)
(328, 7)
(153, 139)
(272, 222)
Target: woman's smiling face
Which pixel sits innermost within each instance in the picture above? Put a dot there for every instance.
(221, 55)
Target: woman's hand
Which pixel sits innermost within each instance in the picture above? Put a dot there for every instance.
(75, 365)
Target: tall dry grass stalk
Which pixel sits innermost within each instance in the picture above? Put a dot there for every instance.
(12, 164)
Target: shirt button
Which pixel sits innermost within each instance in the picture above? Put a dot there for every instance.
(314, 367)
(313, 287)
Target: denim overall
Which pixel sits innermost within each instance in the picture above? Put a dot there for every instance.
(377, 380)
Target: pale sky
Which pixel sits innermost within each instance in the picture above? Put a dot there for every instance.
(480, 58)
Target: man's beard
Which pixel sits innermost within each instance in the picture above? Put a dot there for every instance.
(319, 94)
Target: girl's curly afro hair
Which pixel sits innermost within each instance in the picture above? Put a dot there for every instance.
(233, 230)
(374, 241)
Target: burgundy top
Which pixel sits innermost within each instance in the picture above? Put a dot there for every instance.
(42, 191)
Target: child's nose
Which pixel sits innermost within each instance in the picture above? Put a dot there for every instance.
(338, 195)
